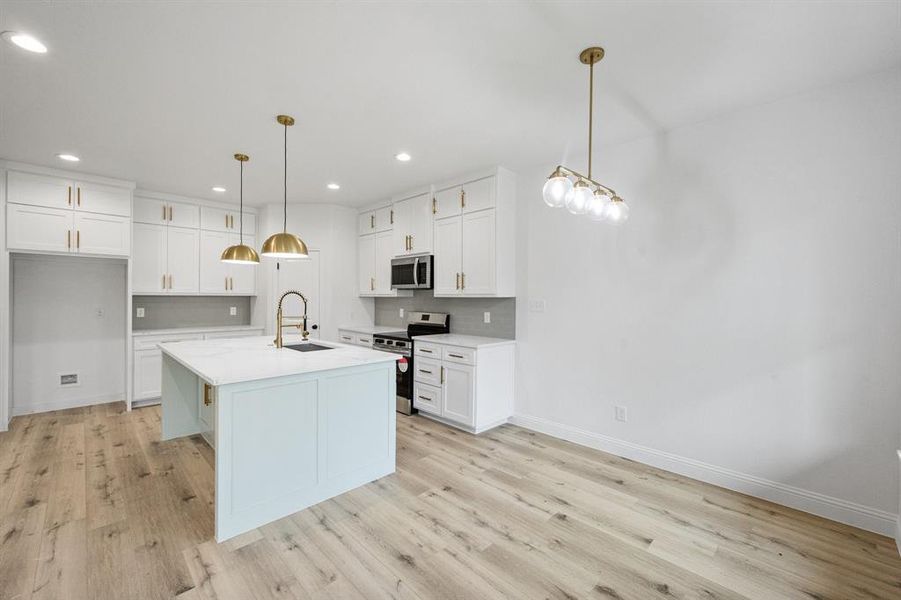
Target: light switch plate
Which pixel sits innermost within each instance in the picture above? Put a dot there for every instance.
(621, 414)
(140, 312)
(487, 317)
(233, 311)
(536, 306)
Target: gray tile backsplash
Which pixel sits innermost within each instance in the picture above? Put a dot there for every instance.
(165, 312)
(467, 314)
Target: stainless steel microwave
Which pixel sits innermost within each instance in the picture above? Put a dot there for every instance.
(411, 273)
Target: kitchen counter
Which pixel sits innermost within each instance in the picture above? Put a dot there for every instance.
(177, 330)
(464, 341)
(222, 362)
(371, 329)
(290, 429)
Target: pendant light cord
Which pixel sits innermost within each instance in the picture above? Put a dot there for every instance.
(241, 196)
(590, 112)
(285, 224)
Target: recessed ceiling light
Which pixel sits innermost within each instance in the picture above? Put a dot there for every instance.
(333, 186)
(218, 188)
(24, 41)
(68, 157)
(403, 157)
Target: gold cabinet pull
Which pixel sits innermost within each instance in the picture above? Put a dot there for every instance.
(207, 394)
(391, 220)
(226, 283)
(79, 195)
(164, 212)
(434, 205)
(170, 213)
(411, 242)
(164, 281)
(458, 281)
(442, 374)
(462, 281)
(462, 198)
(170, 281)
(78, 239)
(372, 221)
(68, 238)
(69, 200)
(231, 283)
(372, 284)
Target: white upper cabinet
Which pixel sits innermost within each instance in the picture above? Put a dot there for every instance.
(39, 190)
(226, 220)
(384, 219)
(475, 237)
(366, 222)
(219, 278)
(61, 215)
(366, 264)
(413, 225)
(182, 260)
(383, 263)
(148, 265)
(179, 214)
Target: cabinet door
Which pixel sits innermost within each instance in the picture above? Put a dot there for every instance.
(39, 228)
(478, 195)
(108, 235)
(420, 224)
(250, 224)
(458, 393)
(39, 190)
(447, 257)
(181, 215)
(182, 259)
(148, 374)
(478, 269)
(366, 264)
(366, 222)
(401, 230)
(148, 210)
(214, 273)
(217, 219)
(104, 199)
(148, 262)
(447, 202)
(384, 218)
(383, 254)
(243, 277)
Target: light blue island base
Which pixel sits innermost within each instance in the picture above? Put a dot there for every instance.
(286, 443)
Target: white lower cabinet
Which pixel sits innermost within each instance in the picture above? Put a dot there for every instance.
(148, 359)
(470, 387)
(357, 338)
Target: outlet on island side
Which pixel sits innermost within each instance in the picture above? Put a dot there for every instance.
(621, 414)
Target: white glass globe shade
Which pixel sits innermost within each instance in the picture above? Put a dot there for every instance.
(597, 208)
(555, 191)
(616, 212)
(577, 201)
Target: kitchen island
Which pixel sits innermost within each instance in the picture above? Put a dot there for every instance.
(290, 428)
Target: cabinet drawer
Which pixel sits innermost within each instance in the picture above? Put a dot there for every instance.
(455, 354)
(364, 339)
(427, 371)
(427, 398)
(426, 349)
(150, 342)
(346, 337)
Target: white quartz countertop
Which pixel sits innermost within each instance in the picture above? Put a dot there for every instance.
(226, 361)
(176, 330)
(465, 341)
(371, 329)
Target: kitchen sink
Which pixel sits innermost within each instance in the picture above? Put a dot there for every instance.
(308, 347)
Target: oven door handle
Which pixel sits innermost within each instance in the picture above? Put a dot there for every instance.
(416, 272)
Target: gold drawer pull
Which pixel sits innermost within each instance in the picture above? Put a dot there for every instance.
(424, 371)
(456, 355)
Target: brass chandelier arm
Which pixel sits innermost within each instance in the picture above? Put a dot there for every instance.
(589, 180)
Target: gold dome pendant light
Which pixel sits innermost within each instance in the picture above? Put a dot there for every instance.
(284, 244)
(241, 253)
(600, 203)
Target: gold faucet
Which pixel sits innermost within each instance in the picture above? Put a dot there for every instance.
(279, 317)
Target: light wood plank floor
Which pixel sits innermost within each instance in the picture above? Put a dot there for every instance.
(93, 505)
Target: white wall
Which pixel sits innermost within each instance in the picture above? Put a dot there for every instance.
(68, 316)
(332, 230)
(748, 315)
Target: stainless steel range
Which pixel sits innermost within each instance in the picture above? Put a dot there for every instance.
(400, 342)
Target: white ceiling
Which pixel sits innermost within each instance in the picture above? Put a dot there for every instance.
(163, 93)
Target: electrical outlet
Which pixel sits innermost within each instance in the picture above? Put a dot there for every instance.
(100, 312)
(536, 306)
(401, 312)
(487, 317)
(140, 312)
(621, 414)
(233, 311)
(68, 379)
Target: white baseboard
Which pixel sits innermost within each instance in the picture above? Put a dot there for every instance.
(836, 509)
(39, 407)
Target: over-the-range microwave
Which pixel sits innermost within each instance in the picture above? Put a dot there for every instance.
(411, 273)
